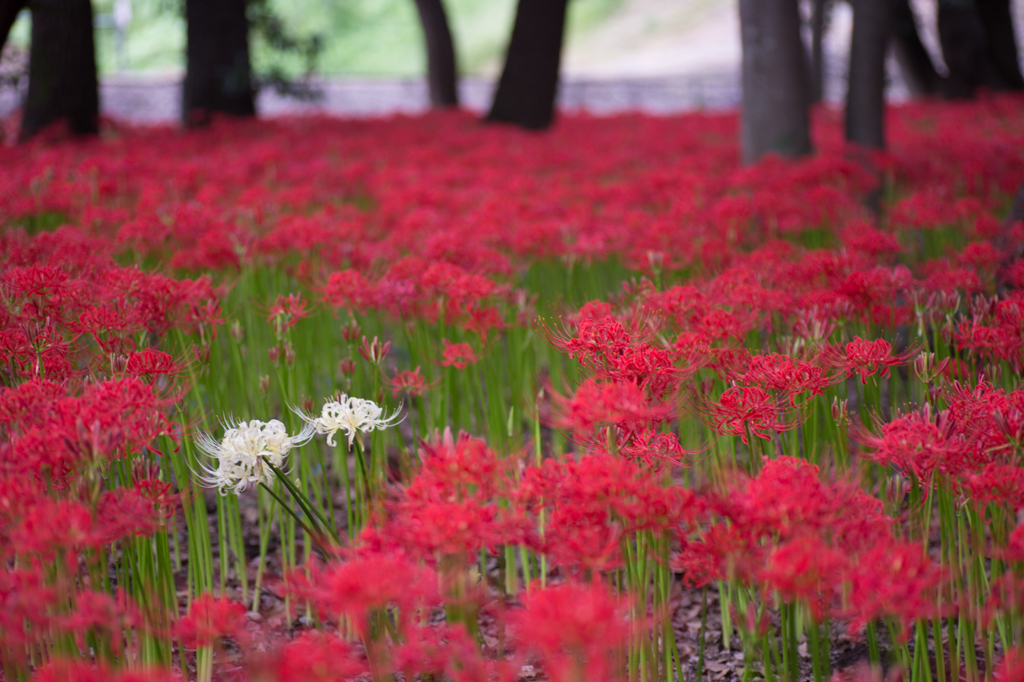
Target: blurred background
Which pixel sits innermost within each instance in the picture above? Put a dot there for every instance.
(650, 55)
(658, 56)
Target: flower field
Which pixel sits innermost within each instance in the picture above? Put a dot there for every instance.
(418, 398)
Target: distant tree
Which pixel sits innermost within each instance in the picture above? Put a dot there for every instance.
(819, 12)
(219, 76)
(962, 36)
(775, 80)
(442, 80)
(218, 72)
(915, 63)
(529, 82)
(62, 83)
(1001, 44)
(865, 98)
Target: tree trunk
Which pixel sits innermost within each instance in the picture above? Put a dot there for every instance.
(775, 87)
(865, 99)
(441, 69)
(218, 75)
(817, 52)
(963, 47)
(62, 84)
(9, 10)
(915, 62)
(529, 83)
(1001, 43)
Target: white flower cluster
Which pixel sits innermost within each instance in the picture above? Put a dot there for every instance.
(242, 454)
(350, 415)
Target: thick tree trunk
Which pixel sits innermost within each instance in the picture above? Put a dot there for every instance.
(817, 52)
(915, 62)
(441, 68)
(963, 47)
(865, 99)
(62, 84)
(9, 10)
(775, 87)
(218, 74)
(1001, 43)
(529, 83)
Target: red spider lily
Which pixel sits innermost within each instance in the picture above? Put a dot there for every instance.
(70, 670)
(915, 443)
(988, 420)
(318, 657)
(591, 503)
(1005, 598)
(51, 529)
(348, 289)
(458, 355)
(342, 587)
(458, 469)
(28, 601)
(576, 629)
(997, 483)
(101, 612)
(411, 382)
(1010, 667)
(151, 362)
(788, 502)
(894, 579)
(1014, 549)
(1003, 343)
(866, 358)
(655, 449)
(786, 375)
(809, 571)
(746, 410)
(596, 342)
(208, 619)
(130, 512)
(449, 529)
(595, 403)
(285, 312)
(697, 563)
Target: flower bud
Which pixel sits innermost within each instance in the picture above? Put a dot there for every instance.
(351, 331)
(347, 367)
(237, 331)
(839, 409)
(274, 354)
(374, 351)
(289, 354)
(264, 384)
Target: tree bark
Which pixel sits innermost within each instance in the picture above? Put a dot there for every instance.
(62, 83)
(817, 52)
(442, 80)
(218, 74)
(865, 98)
(1001, 43)
(915, 62)
(775, 83)
(963, 47)
(9, 10)
(529, 82)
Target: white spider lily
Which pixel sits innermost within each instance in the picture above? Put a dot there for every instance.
(242, 454)
(349, 415)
